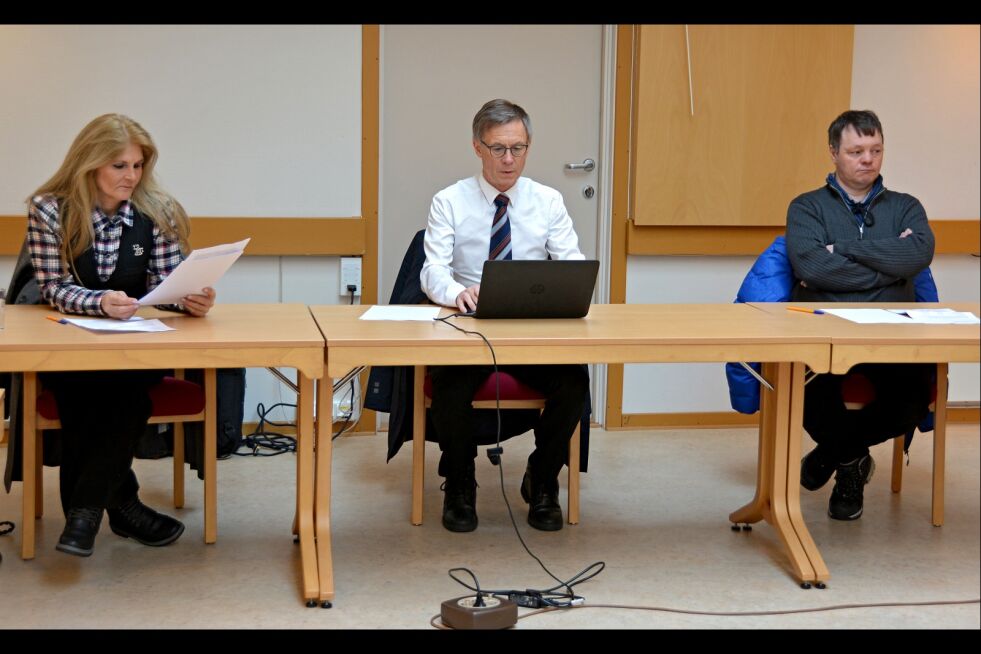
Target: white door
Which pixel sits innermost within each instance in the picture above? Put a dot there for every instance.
(435, 78)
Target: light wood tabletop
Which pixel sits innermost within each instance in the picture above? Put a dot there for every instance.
(853, 343)
(230, 336)
(611, 333)
(608, 334)
(856, 343)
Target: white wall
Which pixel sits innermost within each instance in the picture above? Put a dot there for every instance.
(249, 120)
(923, 82)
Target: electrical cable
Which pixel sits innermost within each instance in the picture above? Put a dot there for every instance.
(530, 597)
(280, 443)
(260, 439)
(737, 614)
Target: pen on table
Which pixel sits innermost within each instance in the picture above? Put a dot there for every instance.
(58, 320)
(805, 310)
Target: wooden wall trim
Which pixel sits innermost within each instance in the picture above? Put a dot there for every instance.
(635, 421)
(722, 419)
(954, 236)
(690, 420)
(270, 236)
(352, 236)
(283, 236)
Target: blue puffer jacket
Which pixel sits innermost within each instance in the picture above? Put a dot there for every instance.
(771, 279)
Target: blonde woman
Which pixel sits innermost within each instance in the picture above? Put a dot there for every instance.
(102, 233)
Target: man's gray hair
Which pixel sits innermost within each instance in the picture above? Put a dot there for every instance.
(499, 112)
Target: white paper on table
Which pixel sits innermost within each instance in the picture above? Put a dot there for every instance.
(869, 316)
(942, 317)
(134, 324)
(203, 267)
(396, 312)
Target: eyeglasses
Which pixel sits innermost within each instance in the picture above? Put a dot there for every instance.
(497, 151)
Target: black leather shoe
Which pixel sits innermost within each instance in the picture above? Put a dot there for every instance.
(460, 505)
(135, 520)
(81, 526)
(816, 469)
(544, 512)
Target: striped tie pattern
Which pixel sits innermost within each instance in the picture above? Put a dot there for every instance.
(500, 240)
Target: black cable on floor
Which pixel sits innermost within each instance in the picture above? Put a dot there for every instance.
(530, 597)
(261, 440)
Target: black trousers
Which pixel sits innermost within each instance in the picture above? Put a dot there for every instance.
(103, 414)
(902, 398)
(564, 388)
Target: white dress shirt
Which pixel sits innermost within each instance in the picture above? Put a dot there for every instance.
(458, 232)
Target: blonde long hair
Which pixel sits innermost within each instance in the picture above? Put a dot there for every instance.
(99, 143)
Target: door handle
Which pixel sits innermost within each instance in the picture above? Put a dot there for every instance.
(587, 165)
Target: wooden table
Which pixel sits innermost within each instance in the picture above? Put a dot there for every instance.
(854, 343)
(231, 336)
(609, 334)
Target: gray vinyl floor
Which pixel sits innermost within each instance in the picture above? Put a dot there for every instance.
(654, 510)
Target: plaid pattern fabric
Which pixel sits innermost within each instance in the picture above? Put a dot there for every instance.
(58, 285)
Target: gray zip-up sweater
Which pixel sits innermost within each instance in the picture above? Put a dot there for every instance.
(871, 264)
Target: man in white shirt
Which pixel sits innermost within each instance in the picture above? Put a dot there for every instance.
(498, 214)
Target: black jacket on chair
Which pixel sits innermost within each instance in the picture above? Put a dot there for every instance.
(391, 388)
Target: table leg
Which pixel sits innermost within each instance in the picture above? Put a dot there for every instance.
(210, 456)
(418, 443)
(304, 486)
(795, 427)
(759, 508)
(939, 446)
(780, 512)
(325, 565)
(28, 465)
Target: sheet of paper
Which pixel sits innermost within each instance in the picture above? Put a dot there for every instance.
(203, 267)
(942, 317)
(869, 316)
(399, 312)
(134, 324)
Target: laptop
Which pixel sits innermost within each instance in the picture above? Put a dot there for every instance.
(536, 289)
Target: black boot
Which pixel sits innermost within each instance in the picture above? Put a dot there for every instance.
(847, 498)
(460, 503)
(133, 519)
(816, 469)
(542, 496)
(81, 526)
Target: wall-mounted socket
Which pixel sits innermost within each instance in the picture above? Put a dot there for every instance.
(350, 275)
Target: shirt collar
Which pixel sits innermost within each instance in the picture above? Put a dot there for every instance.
(490, 193)
(124, 213)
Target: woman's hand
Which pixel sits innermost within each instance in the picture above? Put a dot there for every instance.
(118, 305)
(199, 305)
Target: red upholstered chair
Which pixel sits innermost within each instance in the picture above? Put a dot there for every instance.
(857, 391)
(514, 395)
(175, 400)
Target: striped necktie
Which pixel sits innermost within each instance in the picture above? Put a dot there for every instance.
(500, 240)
